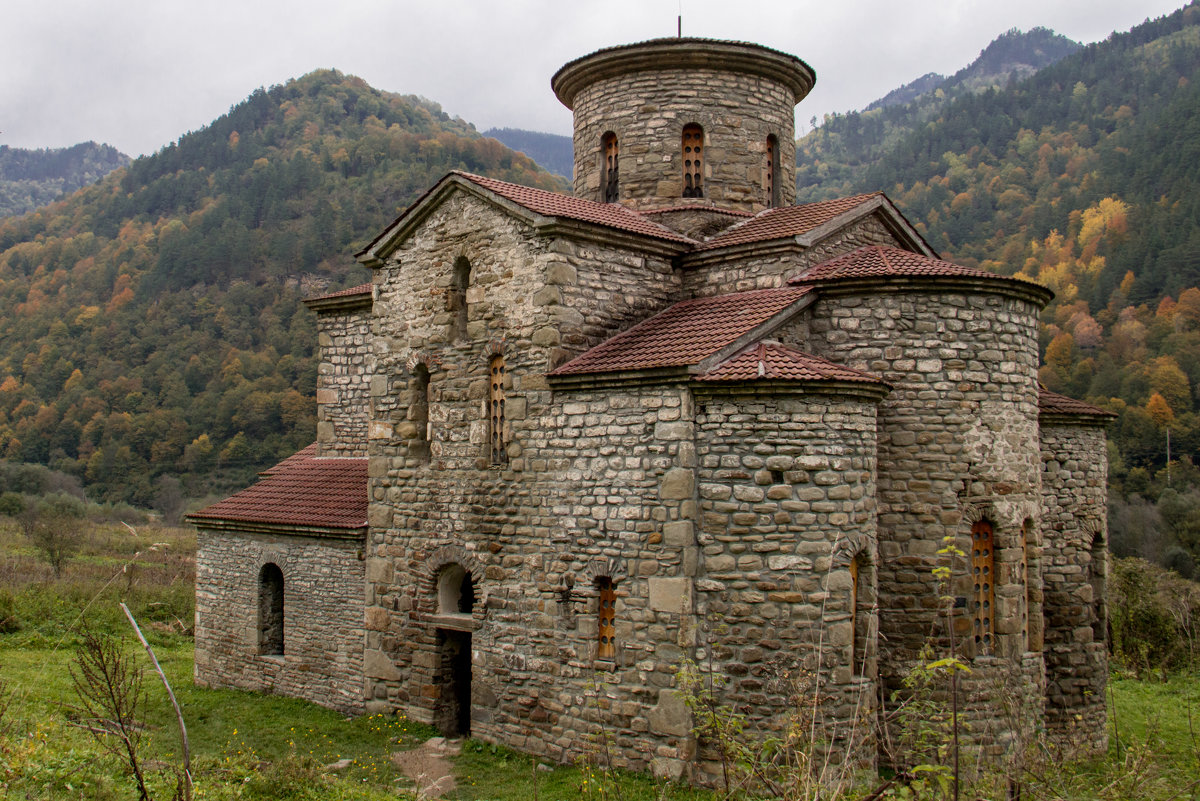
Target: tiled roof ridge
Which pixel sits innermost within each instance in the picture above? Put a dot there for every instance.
(302, 490)
(892, 262)
(685, 333)
(1050, 402)
(610, 215)
(751, 363)
(361, 289)
(742, 232)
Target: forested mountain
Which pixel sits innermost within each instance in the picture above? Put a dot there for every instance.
(1086, 177)
(152, 322)
(554, 152)
(834, 156)
(33, 178)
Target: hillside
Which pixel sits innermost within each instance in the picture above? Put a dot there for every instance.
(553, 152)
(32, 178)
(835, 155)
(153, 322)
(1086, 177)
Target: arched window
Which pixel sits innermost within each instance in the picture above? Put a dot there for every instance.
(611, 179)
(418, 408)
(693, 160)
(772, 173)
(456, 591)
(456, 300)
(983, 570)
(606, 619)
(497, 447)
(270, 610)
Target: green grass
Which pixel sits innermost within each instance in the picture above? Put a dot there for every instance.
(250, 746)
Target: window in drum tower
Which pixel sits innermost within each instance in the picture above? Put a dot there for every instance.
(610, 182)
(983, 573)
(606, 619)
(693, 160)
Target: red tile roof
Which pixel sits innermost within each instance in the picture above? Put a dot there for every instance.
(773, 361)
(787, 221)
(554, 204)
(361, 289)
(1053, 403)
(685, 333)
(302, 490)
(876, 261)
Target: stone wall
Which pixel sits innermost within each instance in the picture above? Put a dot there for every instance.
(958, 443)
(648, 110)
(1075, 572)
(322, 609)
(343, 338)
(787, 504)
(703, 276)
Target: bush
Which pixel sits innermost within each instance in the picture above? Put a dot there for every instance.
(1153, 617)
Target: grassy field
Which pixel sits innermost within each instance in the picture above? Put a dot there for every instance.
(249, 746)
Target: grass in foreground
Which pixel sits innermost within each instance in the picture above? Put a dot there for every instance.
(250, 746)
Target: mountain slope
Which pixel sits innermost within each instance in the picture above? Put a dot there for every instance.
(1085, 177)
(153, 320)
(835, 156)
(33, 178)
(553, 152)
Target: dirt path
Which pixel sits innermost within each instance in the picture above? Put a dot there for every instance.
(429, 766)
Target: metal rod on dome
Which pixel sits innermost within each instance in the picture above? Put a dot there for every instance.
(679, 22)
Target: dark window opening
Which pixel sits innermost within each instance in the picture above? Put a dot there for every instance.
(418, 410)
(1098, 576)
(456, 300)
(611, 179)
(693, 160)
(456, 591)
(270, 610)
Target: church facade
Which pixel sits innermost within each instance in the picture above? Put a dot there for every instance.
(568, 444)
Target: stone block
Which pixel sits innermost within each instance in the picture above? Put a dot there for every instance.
(378, 665)
(672, 595)
(670, 716)
(678, 483)
(679, 534)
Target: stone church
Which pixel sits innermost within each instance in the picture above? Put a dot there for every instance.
(569, 443)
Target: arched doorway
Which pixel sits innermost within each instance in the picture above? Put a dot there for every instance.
(452, 677)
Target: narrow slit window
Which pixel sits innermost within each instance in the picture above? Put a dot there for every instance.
(611, 183)
(456, 300)
(772, 172)
(270, 610)
(607, 619)
(1025, 535)
(418, 408)
(860, 598)
(693, 161)
(498, 448)
(983, 570)
(1098, 575)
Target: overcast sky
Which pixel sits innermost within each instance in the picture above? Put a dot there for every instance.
(137, 74)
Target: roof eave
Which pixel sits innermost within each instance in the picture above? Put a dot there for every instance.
(231, 525)
(342, 303)
(675, 374)
(1076, 419)
(1024, 290)
(873, 391)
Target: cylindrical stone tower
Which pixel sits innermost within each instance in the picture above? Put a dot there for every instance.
(685, 121)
